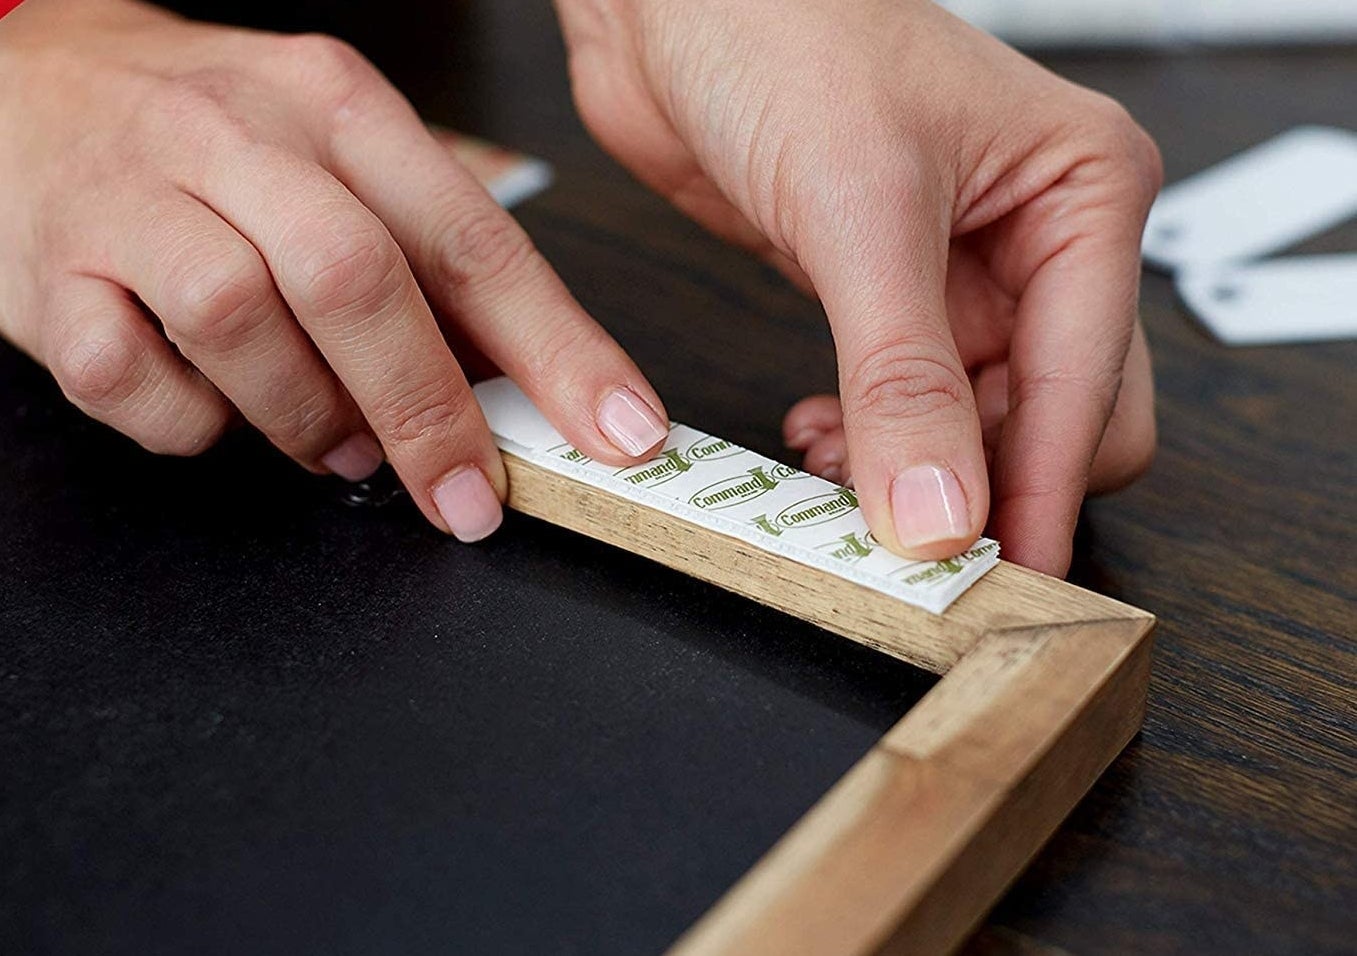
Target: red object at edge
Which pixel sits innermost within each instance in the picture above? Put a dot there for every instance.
(7, 5)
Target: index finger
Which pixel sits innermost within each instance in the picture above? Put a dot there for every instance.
(1069, 346)
(480, 269)
(351, 289)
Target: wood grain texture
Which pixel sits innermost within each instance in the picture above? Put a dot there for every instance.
(1044, 685)
(907, 852)
(1227, 825)
(1007, 598)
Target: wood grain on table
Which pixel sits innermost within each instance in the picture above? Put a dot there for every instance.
(1228, 825)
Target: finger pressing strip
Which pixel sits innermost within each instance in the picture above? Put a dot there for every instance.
(730, 490)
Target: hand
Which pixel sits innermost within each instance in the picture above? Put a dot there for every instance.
(276, 209)
(970, 221)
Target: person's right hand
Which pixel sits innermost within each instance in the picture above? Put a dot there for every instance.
(278, 211)
(970, 222)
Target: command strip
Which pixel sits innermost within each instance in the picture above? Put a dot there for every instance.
(717, 485)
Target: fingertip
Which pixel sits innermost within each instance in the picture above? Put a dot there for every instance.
(1037, 539)
(468, 504)
(809, 419)
(932, 515)
(495, 472)
(827, 457)
(1038, 554)
(991, 396)
(356, 458)
(632, 426)
(938, 550)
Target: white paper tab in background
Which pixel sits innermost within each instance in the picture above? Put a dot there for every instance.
(510, 177)
(1295, 299)
(1160, 22)
(722, 487)
(1262, 200)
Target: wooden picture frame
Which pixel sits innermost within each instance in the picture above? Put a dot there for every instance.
(1043, 684)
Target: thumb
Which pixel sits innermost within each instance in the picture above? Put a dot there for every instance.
(910, 416)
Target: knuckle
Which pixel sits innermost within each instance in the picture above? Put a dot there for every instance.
(329, 65)
(556, 346)
(849, 195)
(187, 441)
(359, 272)
(197, 104)
(306, 423)
(1133, 150)
(901, 380)
(482, 248)
(1149, 162)
(426, 413)
(98, 371)
(325, 54)
(1106, 113)
(1067, 386)
(219, 302)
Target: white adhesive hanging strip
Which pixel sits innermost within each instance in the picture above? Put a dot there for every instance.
(1264, 199)
(720, 486)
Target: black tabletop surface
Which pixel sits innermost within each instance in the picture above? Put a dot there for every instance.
(239, 713)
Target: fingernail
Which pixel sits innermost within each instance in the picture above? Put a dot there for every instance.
(928, 506)
(803, 438)
(468, 504)
(355, 458)
(832, 472)
(630, 423)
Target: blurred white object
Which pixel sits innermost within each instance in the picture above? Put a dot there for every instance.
(521, 183)
(510, 177)
(1297, 299)
(1037, 23)
(1207, 228)
(1266, 198)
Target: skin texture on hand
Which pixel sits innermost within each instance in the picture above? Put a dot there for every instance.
(970, 222)
(203, 224)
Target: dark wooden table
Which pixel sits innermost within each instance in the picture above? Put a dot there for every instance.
(1228, 825)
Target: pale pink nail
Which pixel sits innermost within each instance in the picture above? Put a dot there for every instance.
(803, 439)
(928, 506)
(355, 458)
(832, 472)
(468, 504)
(630, 423)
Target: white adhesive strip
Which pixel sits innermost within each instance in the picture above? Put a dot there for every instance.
(722, 487)
(1264, 199)
(1294, 299)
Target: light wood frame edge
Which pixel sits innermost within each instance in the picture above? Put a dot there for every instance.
(1043, 685)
